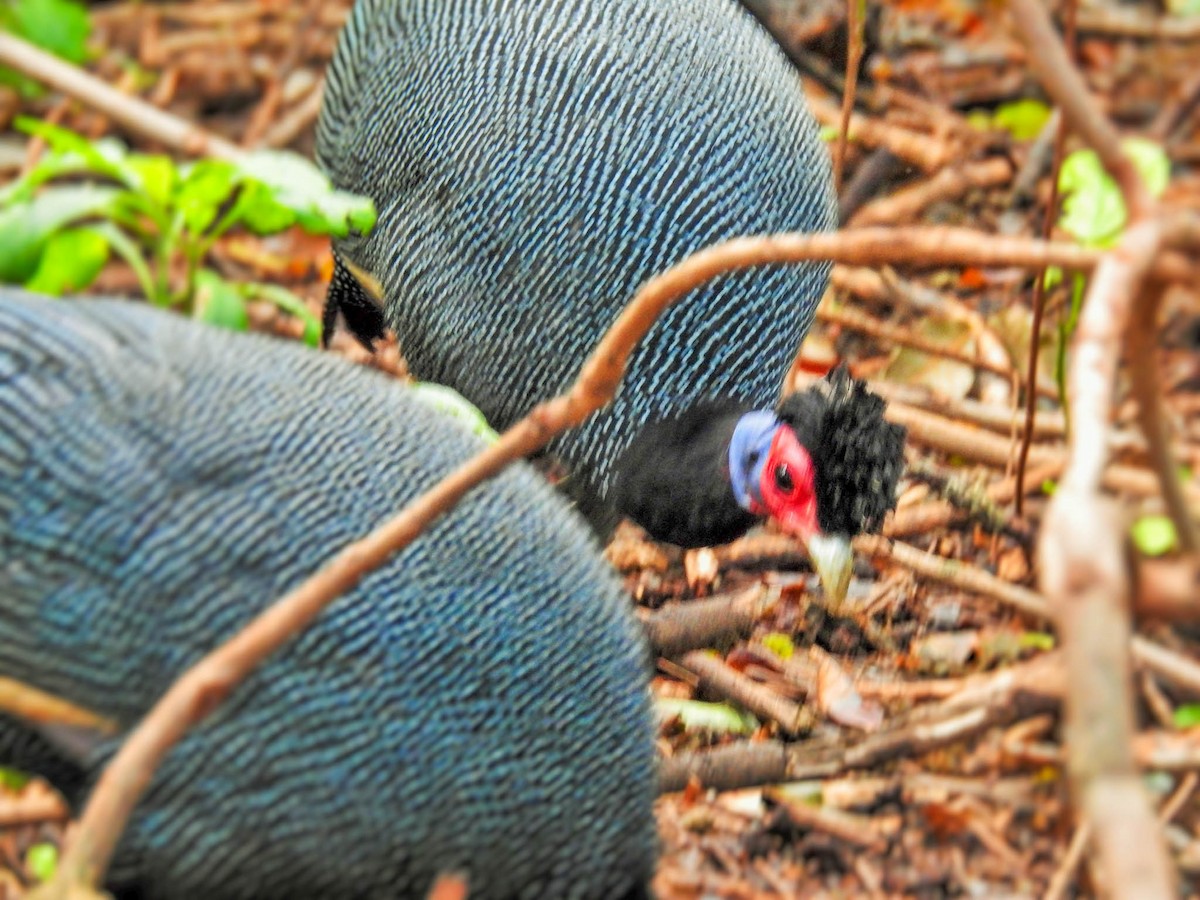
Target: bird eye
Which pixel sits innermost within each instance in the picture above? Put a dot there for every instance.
(783, 478)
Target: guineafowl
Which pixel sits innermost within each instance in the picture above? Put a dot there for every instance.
(533, 164)
(477, 704)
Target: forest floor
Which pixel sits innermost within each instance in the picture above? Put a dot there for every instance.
(916, 730)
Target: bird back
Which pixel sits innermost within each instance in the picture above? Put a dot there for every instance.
(534, 163)
(478, 703)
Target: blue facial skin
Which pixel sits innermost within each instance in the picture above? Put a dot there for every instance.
(748, 448)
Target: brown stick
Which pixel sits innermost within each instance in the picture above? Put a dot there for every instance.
(1039, 289)
(1146, 387)
(911, 146)
(715, 675)
(200, 689)
(854, 52)
(131, 113)
(1083, 557)
(32, 808)
(678, 627)
(907, 203)
(35, 705)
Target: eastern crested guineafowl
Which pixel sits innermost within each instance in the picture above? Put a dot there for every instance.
(533, 164)
(478, 704)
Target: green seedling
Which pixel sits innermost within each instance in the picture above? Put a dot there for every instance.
(85, 201)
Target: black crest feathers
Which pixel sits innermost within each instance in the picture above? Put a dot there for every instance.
(857, 454)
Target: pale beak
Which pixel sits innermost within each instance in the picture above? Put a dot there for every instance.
(833, 558)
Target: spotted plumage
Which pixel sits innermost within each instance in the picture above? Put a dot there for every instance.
(534, 163)
(478, 703)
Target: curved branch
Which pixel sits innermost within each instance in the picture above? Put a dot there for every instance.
(1146, 386)
(199, 690)
(1084, 562)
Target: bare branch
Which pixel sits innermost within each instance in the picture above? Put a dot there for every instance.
(35, 705)
(201, 689)
(1084, 562)
(131, 113)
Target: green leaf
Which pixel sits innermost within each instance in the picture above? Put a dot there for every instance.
(1036, 640)
(1187, 716)
(156, 175)
(451, 403)
(1154, 535)
(716, 718)
(1151, 161)
(205, 187)
(259, 211)
(1183, 7)
(979, 119)
(124, 246)
(1093, 210)
(298, 185)
(26, 227)
(107, 157)
(71, 260)
(42, 861)
(51, 165)
(1023, 119)
(780, 644)
(58, 26)
(217, 302)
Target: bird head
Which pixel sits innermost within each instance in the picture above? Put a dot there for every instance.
(824, 465)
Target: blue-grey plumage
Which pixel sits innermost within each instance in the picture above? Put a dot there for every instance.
(534, 163)
(478, 703)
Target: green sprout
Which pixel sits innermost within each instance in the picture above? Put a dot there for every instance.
(87, 200)
(1093, 213)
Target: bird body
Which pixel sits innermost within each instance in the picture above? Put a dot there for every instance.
(479, 703)
(534, 163)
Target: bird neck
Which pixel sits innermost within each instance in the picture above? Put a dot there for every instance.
(675, 479)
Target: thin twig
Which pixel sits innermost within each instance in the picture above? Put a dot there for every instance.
(35, 705)
(1039, 288)
(909, 202)
(1146, 386)
(715, 675)
(1064, 875)
(131, 113)
(854, 52)
(296, 120)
